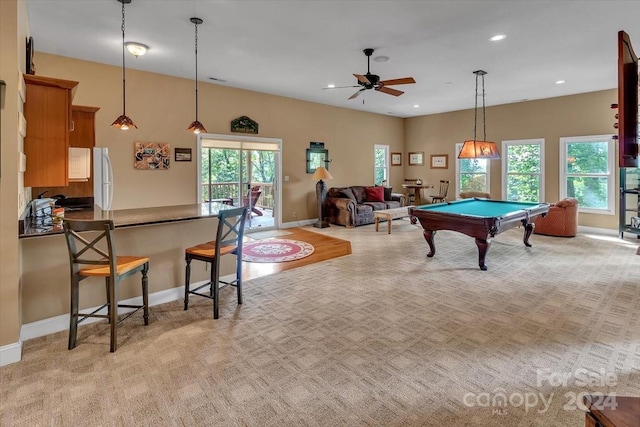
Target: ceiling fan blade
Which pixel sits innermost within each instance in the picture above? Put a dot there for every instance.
(402, 81)
(338, 87)
(389, 90)
(355, 95)
(362, 79)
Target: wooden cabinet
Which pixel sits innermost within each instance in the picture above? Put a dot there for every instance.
(47, 111)
(83, 135)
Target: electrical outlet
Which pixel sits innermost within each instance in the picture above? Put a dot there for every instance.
(295, 215)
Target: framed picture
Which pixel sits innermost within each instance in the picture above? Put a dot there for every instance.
(396, 159)
(183, 154)
(439, 161)
(151, 155)
(416, 158)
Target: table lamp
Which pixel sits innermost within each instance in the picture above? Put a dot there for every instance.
(321, 174)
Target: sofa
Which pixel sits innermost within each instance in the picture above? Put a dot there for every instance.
(560, 221)
(472, 194)
(353, 206)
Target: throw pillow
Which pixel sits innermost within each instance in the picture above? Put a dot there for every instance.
(375, 194)
(387, 193)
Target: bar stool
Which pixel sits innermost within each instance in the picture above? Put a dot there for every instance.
(88, 260)
(228, 241)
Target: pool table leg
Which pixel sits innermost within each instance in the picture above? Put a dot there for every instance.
(483, 247)
(428, 236)
(528, 229)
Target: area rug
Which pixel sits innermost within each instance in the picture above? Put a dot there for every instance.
(276, 250)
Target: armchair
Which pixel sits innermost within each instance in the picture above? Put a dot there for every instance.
(560, 221)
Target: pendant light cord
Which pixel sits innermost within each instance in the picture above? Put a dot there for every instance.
(124, 104)
(196, 24)
(475, 117)
(484, 113)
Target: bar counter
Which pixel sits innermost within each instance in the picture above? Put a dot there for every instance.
(160, 233)
(128, 217)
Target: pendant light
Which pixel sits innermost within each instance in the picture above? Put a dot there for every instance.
(196, 127)
(474, 149)
(123, 122)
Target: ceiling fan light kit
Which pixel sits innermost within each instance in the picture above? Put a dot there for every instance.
(123, 122)
(475, 149)
(195, 126)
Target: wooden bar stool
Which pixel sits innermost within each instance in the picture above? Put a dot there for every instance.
(89, 260)
(228, 241)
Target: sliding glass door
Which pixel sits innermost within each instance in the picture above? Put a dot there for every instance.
(242, 172)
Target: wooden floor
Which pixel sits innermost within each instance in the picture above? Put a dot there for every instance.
(326, 247)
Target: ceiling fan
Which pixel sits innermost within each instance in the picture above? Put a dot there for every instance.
(372, 81)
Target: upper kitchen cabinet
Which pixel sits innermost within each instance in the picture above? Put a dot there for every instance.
(47, 111)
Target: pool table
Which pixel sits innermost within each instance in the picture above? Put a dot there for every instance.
(478, 218)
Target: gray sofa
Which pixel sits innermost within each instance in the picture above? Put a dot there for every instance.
(349, 206)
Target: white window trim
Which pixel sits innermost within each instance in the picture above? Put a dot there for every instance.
(611, 166)
(458, 187)
(386, 161)
(533, 141)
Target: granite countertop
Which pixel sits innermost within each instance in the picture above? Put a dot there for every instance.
(126, 217)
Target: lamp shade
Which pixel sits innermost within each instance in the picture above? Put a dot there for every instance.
(321, 174)
(472, 149)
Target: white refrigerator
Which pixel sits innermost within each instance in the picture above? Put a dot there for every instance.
(102, 178)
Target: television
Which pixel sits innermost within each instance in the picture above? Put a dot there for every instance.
(628, 88)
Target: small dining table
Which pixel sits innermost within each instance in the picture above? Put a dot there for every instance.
(418, 192)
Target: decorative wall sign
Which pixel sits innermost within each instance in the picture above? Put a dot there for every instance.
(183, 154)
(151, 155)
(244, 125)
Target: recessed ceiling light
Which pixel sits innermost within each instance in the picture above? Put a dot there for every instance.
(559, 82)
(498, 37)
(416, 106)
(136, 49)
(331, 86)
(381, 58)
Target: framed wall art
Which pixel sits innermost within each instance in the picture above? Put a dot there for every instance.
(416, 158)
(396, 159)
(439, 161)
(183, 154)
(151, 155)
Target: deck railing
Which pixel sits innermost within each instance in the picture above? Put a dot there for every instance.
(229, 190)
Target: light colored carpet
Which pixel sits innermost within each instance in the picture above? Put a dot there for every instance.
(383, 337)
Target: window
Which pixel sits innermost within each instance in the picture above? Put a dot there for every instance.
(586, 172)
(471, 174)
(381, 164)
(523, 170)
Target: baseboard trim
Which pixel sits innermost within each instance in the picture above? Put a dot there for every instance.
(10, 353)
(61, 323)
(301, 223)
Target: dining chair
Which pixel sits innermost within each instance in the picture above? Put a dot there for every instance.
(228, 241)
(411, 192)
(442, 194)
(251, 199)
(89, 258)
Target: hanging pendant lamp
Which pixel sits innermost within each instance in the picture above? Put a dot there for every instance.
(196, 127)
(474, 149)
(123, 122)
